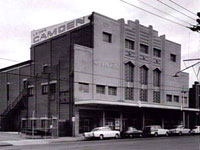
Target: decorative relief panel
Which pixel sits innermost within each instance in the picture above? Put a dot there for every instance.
(144, 58)
(130, 54)
(156, 61)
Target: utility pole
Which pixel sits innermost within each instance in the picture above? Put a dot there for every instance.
(196, 28)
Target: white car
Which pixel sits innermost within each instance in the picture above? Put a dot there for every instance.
(196, 130)
(180, 129)
(155, 130)
(101, 133)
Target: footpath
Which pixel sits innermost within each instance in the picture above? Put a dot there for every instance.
(15, 139)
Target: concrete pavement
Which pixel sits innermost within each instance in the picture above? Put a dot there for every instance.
(15, 139)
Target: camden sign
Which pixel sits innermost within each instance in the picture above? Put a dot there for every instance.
(49, 32)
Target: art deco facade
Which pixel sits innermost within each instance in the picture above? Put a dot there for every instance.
(97, 71)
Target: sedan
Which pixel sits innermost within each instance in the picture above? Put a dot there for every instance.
(101, 133)
(131, 132)
(196, 130)
(180, 129)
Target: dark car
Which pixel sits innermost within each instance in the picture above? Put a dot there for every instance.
(131, 132)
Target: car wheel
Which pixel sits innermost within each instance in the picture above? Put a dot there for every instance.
(180, 133)
(189, 133)
(166, 134)
(117, 136)
(101, 137)
(140, 135)
(156, 134)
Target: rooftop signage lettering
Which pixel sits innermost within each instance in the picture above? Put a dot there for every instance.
(49, 32)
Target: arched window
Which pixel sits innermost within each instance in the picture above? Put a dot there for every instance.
(129, 72)
(156, 77)
(143, 75)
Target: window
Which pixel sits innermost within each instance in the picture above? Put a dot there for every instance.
(129, 72)
(169, 98)
(107, 37)
(112, 90)
(156, 96)
(64, 97)
(52, 88)
(8, 91)
(156, 77)
(144, 48)
(100, 89)
(30, 91)
(129, 44)
(176, 98)
(156, 52)
(143, 95)
(143, 75)
(43, 124)
(84, 87)
(129, 95)
(185, 100)
(44, 89)
(173, 57)
(33, 123)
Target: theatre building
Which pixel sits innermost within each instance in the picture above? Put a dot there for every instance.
(96, 71)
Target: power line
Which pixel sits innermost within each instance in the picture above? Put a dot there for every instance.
(176, 10)
(182, 7)
(164, 12)
(153, 13)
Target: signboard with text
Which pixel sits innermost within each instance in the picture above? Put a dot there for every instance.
(49, 32)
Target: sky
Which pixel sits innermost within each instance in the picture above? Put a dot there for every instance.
(19, 17)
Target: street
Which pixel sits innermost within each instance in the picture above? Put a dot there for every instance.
(152, 143)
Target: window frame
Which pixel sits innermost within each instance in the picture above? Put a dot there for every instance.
(144, 75)
(144, 50)
(155, 54)
(110, 92)
(129, 72)
(144, 95)
(129, 44)
(107, 37)
(45, 89)
(173, 57)
(168, 96)
(176, 98)
(82, 87)
(103, 89)
(156, 77)
(129, 93)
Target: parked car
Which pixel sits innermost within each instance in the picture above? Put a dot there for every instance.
(180, 129)
(155, 130)
(196, 130)
(101, 133)
(131, 132)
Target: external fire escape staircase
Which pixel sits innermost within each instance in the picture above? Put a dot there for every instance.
(8, 114)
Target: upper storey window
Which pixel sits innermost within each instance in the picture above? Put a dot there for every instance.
(144, 48)
(156, 77)
(173, 57)
(129, 44)
(107, 37)
(129, 72)
(143, 75)
(157, 52)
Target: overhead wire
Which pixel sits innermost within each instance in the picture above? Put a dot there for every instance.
(153, 13)
(176, 10)
(182, 7)
(164, 12)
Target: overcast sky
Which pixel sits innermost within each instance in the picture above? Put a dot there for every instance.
(19, 17)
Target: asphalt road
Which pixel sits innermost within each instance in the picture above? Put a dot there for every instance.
(154, 143)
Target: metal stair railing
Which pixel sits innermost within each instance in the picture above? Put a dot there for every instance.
(12, 105)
